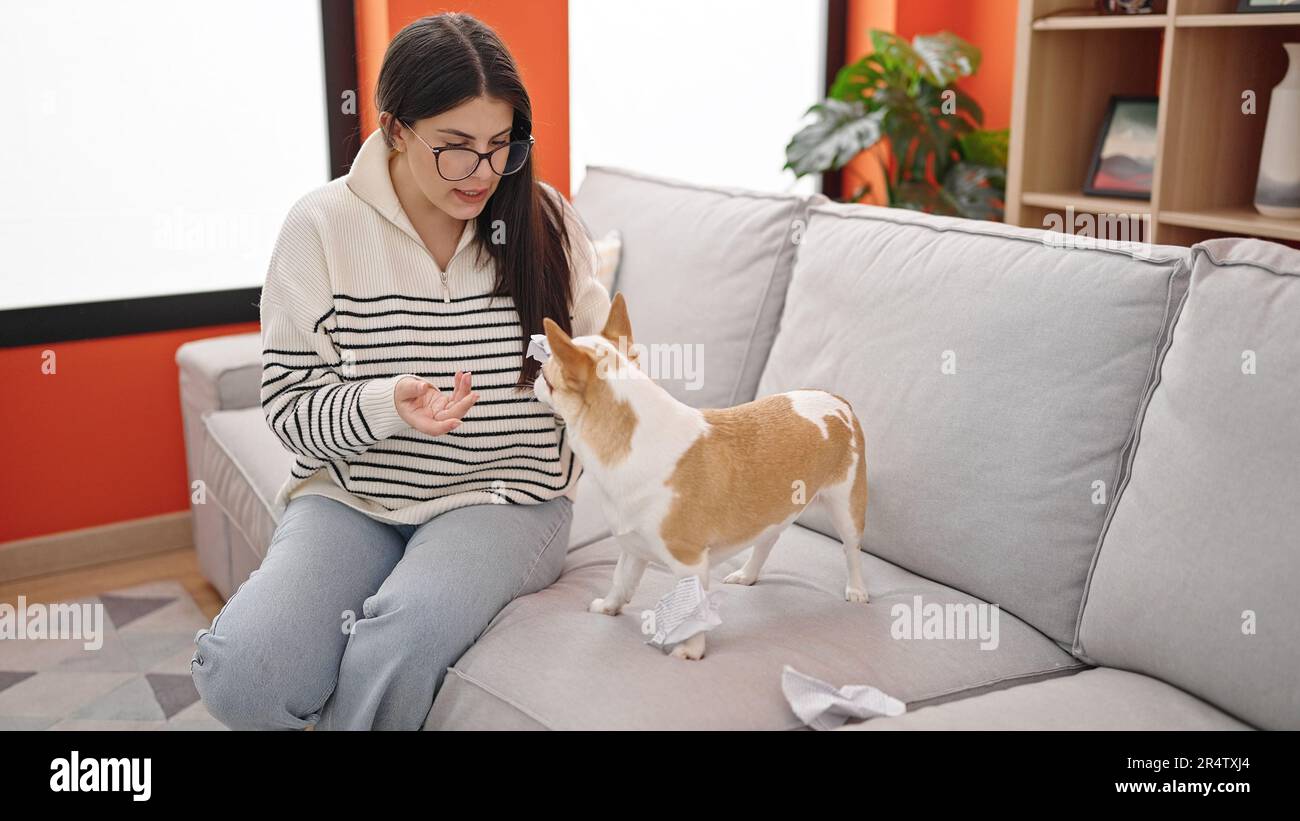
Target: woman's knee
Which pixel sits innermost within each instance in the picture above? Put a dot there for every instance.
(270, 658)
(418, 626)
(245, 689)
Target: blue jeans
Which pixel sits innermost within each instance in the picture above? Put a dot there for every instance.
(351, 623)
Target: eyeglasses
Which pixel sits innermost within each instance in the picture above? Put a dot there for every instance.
(455, 163)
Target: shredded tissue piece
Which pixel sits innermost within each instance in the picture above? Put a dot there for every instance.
(683, 611)
(539, 348)
(823, 707)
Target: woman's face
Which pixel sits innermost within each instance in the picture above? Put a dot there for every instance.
(482, 124)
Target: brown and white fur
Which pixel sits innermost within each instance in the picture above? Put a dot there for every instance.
(690, 487)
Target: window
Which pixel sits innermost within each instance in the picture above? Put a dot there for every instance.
(159, 144)
(708, 92)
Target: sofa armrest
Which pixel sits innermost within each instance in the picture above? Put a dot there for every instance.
(219, 373)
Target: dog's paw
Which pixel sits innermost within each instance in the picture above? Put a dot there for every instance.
(739, 577)
(681, 651)
(605, 606)
(855, 594)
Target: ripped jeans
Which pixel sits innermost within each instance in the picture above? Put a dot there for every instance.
(351, 623)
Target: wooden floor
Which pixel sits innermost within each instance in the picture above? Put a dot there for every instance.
(180, 565)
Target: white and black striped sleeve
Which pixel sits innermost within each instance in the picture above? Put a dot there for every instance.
(310, 400)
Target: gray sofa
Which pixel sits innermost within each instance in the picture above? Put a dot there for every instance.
(1097, 447)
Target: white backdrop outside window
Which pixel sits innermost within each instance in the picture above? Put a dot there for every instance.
(708, 91)
(153, 147)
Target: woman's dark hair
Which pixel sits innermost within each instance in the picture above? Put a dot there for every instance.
(437, 63)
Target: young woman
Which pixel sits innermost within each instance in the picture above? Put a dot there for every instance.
(430, 487)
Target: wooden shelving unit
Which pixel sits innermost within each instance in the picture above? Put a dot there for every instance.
(1071, 22)
(1228, 20)
(1060, 200)
(1235, 220)
(1199, 58)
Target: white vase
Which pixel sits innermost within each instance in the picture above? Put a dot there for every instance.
(1277, 190)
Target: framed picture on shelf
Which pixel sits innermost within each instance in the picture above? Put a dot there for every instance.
(1267, 5)
(1123, 163)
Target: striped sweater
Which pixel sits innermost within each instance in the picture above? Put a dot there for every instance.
(353, 302)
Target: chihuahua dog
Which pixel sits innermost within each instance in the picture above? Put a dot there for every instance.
(690, 487)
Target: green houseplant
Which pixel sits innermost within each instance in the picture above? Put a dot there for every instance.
(939, 157)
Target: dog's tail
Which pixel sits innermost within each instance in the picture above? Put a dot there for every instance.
(858, 493)
(858, 490)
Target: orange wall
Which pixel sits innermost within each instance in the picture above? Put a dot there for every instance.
(988, 24)
(101, 440)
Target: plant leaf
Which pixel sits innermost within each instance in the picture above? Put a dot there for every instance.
(945, 57)
(985, 147)
(929, 135)
(896, 54)
(840, 132)
(923, 196)
(966, 105)
(976, 191)
(857, 80)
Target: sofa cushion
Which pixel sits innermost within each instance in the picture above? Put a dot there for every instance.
(1195, 581)
(704, 271)
(243, 466)
(545, 662)
(997, 377)
(1101, 698)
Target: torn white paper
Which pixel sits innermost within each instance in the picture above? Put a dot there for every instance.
(539, 348)
(683, 611)
(823, 707)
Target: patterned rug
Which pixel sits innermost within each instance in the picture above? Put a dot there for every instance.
(138, 679)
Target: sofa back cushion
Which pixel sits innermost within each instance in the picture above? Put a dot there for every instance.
(1196, 578)
(704, 271)
(997, 377)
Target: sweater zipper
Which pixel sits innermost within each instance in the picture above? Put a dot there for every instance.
(446, 289)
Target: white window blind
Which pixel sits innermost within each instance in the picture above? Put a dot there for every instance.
(153, 147)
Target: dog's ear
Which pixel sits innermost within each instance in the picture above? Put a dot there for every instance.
(619, 325)
(577, 364)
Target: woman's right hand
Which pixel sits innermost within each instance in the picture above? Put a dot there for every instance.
(429, 410)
